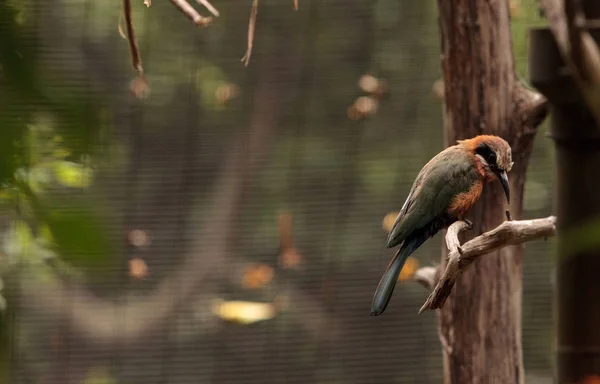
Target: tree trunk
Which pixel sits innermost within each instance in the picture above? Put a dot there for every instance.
(480, 324)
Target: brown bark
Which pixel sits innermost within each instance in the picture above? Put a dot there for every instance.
(480, 324)
(576, 136)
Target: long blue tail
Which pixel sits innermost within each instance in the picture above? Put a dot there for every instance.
(384, 290)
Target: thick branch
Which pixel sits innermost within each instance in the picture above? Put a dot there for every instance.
(461, 256)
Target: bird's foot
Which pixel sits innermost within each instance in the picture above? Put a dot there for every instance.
(469, 224)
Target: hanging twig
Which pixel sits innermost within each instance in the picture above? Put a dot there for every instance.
(295, 5)
(135, 52)
(191, 13)
(139, 86)
(120, 27)
(209, 6)
(461, 256)
(251, 27)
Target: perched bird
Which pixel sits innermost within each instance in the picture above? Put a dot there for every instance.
(443, 192)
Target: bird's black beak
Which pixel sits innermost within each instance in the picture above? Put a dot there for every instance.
(503, 177)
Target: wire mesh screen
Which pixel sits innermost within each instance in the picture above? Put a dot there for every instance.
(228, 227)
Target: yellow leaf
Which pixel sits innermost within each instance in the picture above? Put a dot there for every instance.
(256, 276)
(409, 269)
(243, 312)
(388, 221)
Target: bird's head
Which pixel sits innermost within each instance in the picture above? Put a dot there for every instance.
(493, 157)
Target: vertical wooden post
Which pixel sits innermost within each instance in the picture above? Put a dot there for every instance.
(577, 202)
(480, 324)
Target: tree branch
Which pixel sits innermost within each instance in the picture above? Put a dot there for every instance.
(461, 256)
(139, 86)
(577, 48)
(191, 13)
(426, 276)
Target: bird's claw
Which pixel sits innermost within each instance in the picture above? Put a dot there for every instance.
(469, 223)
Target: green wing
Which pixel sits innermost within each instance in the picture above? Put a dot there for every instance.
(446, 175)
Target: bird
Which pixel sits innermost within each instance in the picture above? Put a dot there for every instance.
(443, 192)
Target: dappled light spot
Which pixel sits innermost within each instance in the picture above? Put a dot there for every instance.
(138, 268)
(72, 175)
(290, 258)
(388, 221)
(139, 238)
(368, 83)
(257, 276)
(366, 105)
(226, 92)
(139, 87)
(243, 312)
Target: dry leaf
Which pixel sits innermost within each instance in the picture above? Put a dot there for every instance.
(139, 87)
(138, 268)
(226, 92)
(354, 113)
(257, 276)
(367, 105)
(368, 83)
(388, 221)
(290, 258)
(138, 238)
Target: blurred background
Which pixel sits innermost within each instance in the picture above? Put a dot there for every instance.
(229, 226)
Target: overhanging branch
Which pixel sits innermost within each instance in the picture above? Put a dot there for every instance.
(577, 48)
(461, 256)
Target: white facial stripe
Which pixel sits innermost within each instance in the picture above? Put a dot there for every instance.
(485, 164)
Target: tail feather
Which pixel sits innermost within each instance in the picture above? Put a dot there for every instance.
(386, 286)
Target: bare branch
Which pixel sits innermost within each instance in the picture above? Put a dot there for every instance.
(135, 51)
(507, 233)
(209, 6)
(426, 276)
(191, 13)
(251, 28)
(577, 48)
(139, 86)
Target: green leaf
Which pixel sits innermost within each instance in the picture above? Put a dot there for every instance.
(72, 175)
(79, 236)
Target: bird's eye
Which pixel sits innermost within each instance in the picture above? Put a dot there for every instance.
(487, 153)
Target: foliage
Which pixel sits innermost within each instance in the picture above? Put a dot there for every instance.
(339, 173)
